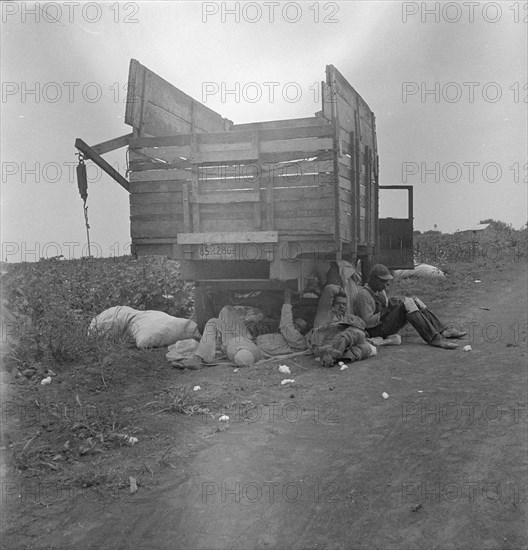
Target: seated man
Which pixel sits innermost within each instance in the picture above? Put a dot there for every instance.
(384, 317)
(340, 336)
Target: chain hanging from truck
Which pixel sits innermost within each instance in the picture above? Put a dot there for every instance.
(82, 184)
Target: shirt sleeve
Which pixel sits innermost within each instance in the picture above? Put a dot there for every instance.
(365, 307)
(295, 339)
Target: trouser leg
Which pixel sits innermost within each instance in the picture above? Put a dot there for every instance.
(352, 344)
(426, 325)
(206, 349)
(393, 322)
(433, 320)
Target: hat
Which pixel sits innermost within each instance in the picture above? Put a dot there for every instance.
(381, 272)
(239, 344)
(244, 358)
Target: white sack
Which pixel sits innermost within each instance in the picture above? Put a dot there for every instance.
(420, 271)
(148, 329)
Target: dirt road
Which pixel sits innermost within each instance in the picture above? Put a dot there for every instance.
(330, 463)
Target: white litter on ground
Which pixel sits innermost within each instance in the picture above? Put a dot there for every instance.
(284, 369)
(385, 395)
(467, 348)
(344, 367)
(287, 381)
(46, 381)
(196, 388)
(223, 423)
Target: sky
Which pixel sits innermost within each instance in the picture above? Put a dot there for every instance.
(447, 83)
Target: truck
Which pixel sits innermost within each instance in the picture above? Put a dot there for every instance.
(249, 209)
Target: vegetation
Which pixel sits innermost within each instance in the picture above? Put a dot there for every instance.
(48, 305)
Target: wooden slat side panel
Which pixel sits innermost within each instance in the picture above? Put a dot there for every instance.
(153, 227)
(158, 122)
(145, 199)
(154, 105)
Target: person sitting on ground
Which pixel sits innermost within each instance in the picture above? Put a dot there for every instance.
(384, 317)
(340, 336)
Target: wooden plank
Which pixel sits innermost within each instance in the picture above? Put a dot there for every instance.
(168, 154)
(172, 209)
(159, 97)
(297, 187)
(303, 193)
(237, 237)
(160, 175)
(112, 144)
(306, 145)
(257, 219)
(157, 240)
(227, 198)
(243, 210)
(140, 163)
(141, 199)
(88, 152)
(291, 156)
(318, 225)
(273, 124)
(330, 81)
(156, 214)
(148, 187)
(195, 208)
(309, 206)
(186, 208)
(161, 141)
(159, 122)
(233, 137)
(225, 156)
(270, 213)
(155, 228)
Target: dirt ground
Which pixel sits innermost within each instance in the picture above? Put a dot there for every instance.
(327, 462)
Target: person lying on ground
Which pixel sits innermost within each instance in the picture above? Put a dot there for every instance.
(341, 337)
(229, 334)
(384, 317)
(290, 337)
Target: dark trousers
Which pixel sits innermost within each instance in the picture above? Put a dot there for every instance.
(425, 322)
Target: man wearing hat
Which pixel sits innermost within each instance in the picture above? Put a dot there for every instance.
(384, 317)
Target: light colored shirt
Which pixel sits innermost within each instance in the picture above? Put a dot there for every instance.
(367, 305)
(288, 340)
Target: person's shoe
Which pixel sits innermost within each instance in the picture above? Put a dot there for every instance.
(439, 342)
(453, 333)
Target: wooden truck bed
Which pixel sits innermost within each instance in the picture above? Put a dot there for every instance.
(245, 200)
(309, 181)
